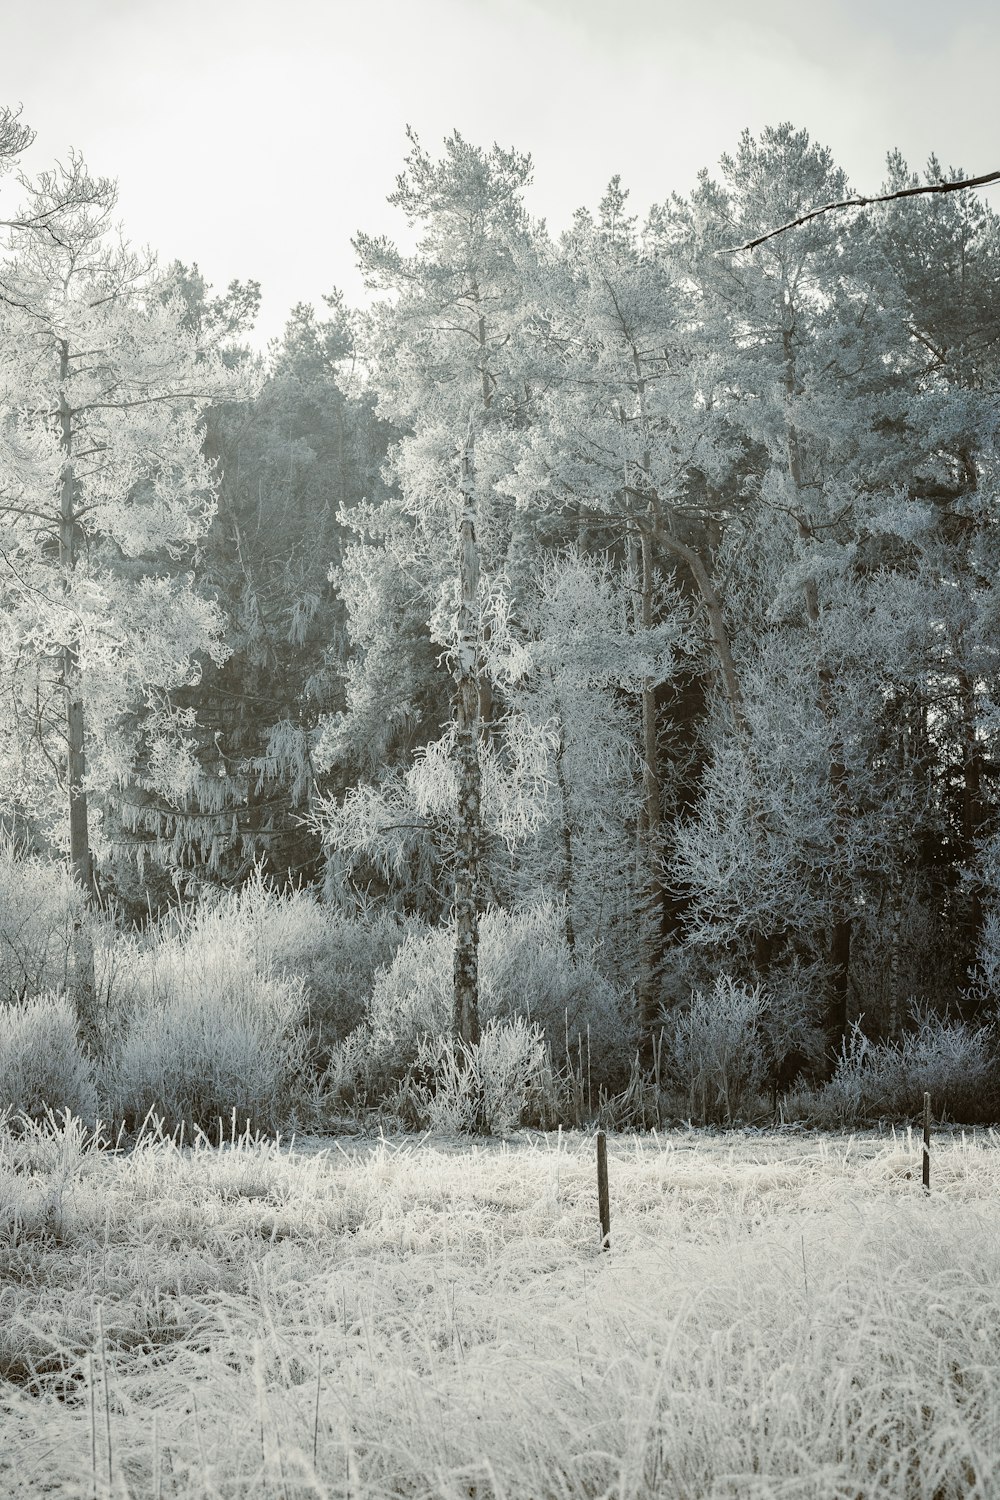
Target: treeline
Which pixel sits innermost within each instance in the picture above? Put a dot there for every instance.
(614, 574)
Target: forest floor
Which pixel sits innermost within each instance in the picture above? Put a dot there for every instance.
(783, 1315)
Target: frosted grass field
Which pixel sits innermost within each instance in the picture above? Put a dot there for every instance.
(782, 1316)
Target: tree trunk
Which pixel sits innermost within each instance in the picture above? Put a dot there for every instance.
(972, 816)
(473, 701)
(81, 863)
(895, 945)
(468, 852)
(79, 835)
(652, 801)
(716, 623)
(641, 840)
(566, 880)
(841, 922)
(651, 787)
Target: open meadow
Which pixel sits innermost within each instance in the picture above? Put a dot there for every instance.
(779, 1315)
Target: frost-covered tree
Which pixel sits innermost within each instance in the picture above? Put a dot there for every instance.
(105, 495)
(620, 443)
(845, 431)
(444, 355)
(583, 665)
(290, 464)
(945, 255)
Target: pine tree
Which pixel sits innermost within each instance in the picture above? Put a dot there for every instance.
(105, 489)
(290, 467)
(808, 341)
(616, 440)
(443, 352)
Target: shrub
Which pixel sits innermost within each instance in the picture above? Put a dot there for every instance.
(232, 1003)
(715, 1052)
(335, 956)
(985, 986)
(340, 973)
(792, 1023)
(42, 1067)
(39, 903)
(203, 1028)
(490, 1088)
(526, 969)
(952, 1061)
(412, 998)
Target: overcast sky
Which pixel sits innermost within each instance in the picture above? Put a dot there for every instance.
(256, 136)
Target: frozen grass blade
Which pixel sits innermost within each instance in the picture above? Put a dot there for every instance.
(107, 1393)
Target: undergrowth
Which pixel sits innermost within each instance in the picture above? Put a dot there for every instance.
(295, 1015)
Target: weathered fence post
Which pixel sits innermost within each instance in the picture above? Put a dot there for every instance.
(603, 1200)
(927, 1143)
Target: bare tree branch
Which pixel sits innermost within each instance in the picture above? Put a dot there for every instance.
(913, 192)
(14, 137)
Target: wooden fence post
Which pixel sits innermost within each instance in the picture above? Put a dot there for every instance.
(603, 1200)
(927, 1143)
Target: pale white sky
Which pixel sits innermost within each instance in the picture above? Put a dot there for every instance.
(256, 137)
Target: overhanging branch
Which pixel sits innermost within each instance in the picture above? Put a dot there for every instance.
(933, 187)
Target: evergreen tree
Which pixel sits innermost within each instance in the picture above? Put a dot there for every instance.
(443, 352)
(105, 490)
(291, 466)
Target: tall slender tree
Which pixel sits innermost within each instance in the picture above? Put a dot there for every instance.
(618, 435)
(106, 490)
(443, 351)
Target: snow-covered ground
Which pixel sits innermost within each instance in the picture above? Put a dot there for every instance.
(784, 1315)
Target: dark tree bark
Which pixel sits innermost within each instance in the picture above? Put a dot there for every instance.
(841, 922)
(468, 854)
(81, 862)
(828, 208)
(566, 878)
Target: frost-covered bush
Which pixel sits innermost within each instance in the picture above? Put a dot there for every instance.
(792, 1023)
(496, 1085)
(985, 987)
(411, 1001)
(205, 1024)
(715, 1051)
(412, 998)
(954, 1062)
(42, 1067)
(335, 956)
(340, 972)
(526, 969)
(790, 1033)
(39, 903)
(230, 1004)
